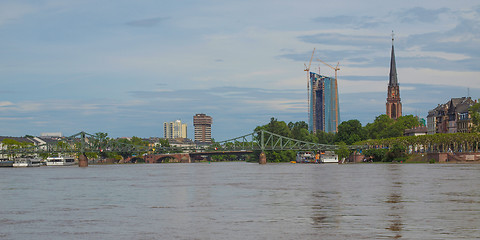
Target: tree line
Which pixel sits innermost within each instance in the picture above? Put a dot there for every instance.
(384, 135)
(349, 132)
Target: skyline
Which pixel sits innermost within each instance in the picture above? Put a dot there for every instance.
(125, 68)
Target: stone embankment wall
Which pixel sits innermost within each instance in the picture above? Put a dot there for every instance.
(468, 157)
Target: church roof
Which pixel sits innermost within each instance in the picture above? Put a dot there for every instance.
(393, 69)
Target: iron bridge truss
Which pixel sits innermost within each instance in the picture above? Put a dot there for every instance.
(83, 142)
(267, 141)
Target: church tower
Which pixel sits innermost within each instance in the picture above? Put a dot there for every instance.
(394, 106)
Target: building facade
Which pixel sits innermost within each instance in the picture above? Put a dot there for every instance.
(394, 104)
(324, 108)
(172, 130)
(203, 128)
(450, 117)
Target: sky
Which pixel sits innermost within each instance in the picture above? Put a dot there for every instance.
(126, 67)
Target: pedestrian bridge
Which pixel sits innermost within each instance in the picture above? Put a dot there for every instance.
(82, 142)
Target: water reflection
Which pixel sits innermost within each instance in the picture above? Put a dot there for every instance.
(242, 201)
(324, 203)
(394, 200)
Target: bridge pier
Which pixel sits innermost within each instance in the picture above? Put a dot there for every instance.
(82, 160)
(262, 158)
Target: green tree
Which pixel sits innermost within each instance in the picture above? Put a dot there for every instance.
(385, 127)
(278, 127)
(127, 145)
(376, 129)
(343, 151)
(299, 130)
(325, 137)
(350, 131)
(396, 153)
(376, 154)
(475, 115)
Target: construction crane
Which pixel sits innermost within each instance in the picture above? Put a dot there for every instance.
(335, 90)
(307, 69)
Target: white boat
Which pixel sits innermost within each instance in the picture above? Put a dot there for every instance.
(27, 162)
(329, 157)
(60, 161)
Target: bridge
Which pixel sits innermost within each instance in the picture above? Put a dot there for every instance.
(82, 143)
(189, 157)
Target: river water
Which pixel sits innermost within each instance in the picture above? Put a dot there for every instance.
(239, 200)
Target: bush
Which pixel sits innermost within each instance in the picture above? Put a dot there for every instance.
(377, 155)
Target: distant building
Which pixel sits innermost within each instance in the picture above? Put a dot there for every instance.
(394, 104)
(175, 129)
(203, 128)
(181, 142)
(324, 109)
(416, 131)
(450, 117)
(51, 134)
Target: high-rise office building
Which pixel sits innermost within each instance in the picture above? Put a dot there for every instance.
(175, 129)
(324, 109)
(203, 128)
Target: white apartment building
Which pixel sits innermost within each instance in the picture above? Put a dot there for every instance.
(177, 129)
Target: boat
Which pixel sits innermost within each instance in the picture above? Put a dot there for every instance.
(27, 162)
(5, 162)
(306, 157)
(60, 161)
(329, 157)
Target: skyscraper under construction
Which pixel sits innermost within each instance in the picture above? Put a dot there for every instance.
(324, 108)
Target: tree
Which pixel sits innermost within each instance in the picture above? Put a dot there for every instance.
(376, 129)
(325, 137)
(397, 152)
(350, 131)
(278, 127)
(376, 154)
(385, 127)
(475, 115)
(343, 151)
(299, 130)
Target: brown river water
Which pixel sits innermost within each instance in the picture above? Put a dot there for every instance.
(238, 200)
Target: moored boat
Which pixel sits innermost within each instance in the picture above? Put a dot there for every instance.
(306, 157)
(329, 157)
(5, 162)
(27, 162)
(60, 161)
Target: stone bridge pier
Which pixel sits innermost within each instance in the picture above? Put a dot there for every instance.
(83, 160)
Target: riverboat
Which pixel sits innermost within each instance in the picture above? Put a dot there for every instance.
(306, 157)
(27, 162)
(5, 162)
(329, 157)
(60, 161)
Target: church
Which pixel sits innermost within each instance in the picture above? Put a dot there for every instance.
(394, 105)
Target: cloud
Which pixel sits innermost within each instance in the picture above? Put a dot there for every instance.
(5, 103)
(420, 14)
(350, 21)
(10, 11)
(147, 22)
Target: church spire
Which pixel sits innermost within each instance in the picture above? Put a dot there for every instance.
(393, 68)
(394, 104)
